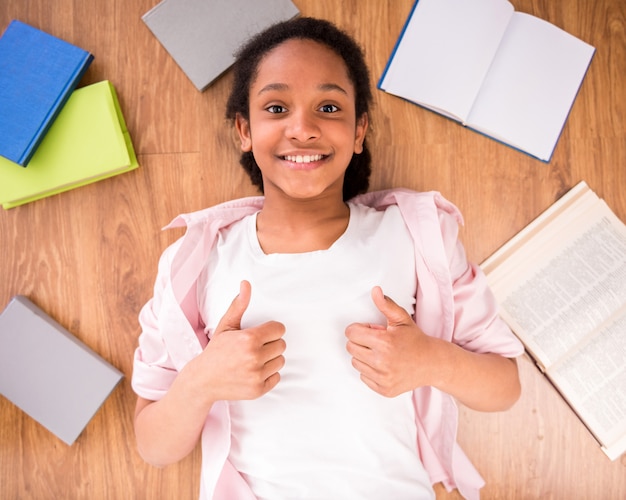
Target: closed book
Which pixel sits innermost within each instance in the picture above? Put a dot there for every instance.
(38, 72)
(88, 142)
(202, 36)
(48, 373)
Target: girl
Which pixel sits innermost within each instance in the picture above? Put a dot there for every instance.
(356, 319)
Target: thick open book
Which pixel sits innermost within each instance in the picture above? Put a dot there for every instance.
(561, 285)
(506, 74)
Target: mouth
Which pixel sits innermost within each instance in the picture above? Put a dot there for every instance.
(304, 162)
(303, 158)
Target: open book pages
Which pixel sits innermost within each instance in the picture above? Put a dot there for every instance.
(443, 69)
(561, 285)
(506, 74)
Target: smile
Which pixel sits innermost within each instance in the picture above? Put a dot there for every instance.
(303, 158)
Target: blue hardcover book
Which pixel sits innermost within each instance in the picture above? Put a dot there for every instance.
(38, 72)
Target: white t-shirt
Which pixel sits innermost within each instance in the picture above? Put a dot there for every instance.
(321, 432)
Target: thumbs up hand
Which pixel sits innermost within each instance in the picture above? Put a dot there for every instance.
(392, 358)
(241, 363)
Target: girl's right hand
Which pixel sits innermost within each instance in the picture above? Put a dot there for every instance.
(241, 363)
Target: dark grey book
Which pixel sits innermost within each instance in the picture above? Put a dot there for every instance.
(202, 35)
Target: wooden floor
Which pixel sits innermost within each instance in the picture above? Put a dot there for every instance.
(89, 256)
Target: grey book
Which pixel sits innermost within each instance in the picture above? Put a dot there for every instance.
(50, 374)
(203, 35)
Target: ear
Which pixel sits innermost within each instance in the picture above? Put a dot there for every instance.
(362, 124)
(243, 129)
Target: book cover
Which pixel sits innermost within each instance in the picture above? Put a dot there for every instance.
(38, 72)
(508, 75)
(202, 36)
(87, 142)
(49, 373)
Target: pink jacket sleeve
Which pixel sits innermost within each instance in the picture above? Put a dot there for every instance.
(153, 368)
(477, 324)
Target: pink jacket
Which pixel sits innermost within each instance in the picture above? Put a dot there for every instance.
(453, 303)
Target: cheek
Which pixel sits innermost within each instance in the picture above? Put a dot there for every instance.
(263, 137)
(354, 141)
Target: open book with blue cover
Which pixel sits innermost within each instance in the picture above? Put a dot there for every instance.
(506, 74)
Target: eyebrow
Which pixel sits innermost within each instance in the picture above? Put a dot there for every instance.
(283, 86)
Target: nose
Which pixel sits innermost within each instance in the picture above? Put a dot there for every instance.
(303, 126)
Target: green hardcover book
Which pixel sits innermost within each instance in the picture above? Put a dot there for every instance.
(87, 142)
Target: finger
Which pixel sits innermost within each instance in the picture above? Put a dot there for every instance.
(356, 327)
(364, 366)
(365, 335)
(358, 351)
(361, 334)
(232, 318)
(370, 382)
(374, 381)
(271, 382)
(273, 349)
(273, 366)
(395, 314)
(270, 331)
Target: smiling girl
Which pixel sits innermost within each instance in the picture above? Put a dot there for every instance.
(269, 337)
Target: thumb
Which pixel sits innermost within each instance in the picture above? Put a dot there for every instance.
(232, 317)
(395, 314)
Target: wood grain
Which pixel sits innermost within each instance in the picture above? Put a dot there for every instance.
(89, 256)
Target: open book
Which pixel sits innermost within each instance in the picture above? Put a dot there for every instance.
(508, 75)
(561, 286)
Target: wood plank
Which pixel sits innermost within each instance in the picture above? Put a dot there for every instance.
(88, 257)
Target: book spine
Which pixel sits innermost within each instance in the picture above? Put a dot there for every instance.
(395, 48)
(120, 116)
(37, 138)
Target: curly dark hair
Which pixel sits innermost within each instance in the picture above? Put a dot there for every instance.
(248, 57)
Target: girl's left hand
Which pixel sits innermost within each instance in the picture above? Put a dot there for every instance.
(395, 358)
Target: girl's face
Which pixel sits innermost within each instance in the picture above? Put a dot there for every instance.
(303, 128)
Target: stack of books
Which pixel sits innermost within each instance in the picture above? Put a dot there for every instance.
(54, 137)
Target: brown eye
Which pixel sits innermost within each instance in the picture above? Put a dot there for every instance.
(329, 108)
(276, 108)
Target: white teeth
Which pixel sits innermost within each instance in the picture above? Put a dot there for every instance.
(303, 158)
